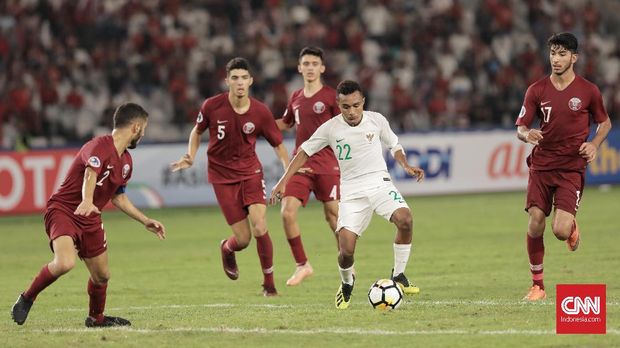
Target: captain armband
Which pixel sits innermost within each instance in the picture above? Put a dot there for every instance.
(395, 149)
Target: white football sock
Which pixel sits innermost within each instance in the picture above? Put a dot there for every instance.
(401, 256)
(346, 274)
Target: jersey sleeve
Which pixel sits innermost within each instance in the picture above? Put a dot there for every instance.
(387, 135)
(93, 155)
(318, 140)
(289, 115)
(597, 107)
(202, 120)
(270, 129)
(528, 109)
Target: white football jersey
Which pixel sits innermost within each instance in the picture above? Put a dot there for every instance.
(358, 149)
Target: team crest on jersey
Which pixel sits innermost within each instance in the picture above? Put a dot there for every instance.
(248, 128)
(125, 170)
(94, 162)
(522, 112)
(369, 137)
(574, 104)
(318, 107)
(199, 118)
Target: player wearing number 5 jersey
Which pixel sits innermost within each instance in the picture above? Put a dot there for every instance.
(356, 137)
(234, 121)
(565, 105)
(99, 173)
(307, 109)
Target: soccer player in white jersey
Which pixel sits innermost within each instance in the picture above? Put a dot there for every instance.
(356, 136)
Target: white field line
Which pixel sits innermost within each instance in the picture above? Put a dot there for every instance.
(356, 331)
(279, 306)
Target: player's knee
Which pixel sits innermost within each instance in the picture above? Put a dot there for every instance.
(61, 267)
(289, 216)
(100, 277)
(243, 242)
(562, 229)
(404, 222)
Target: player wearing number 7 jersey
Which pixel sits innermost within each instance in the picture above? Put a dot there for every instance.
(356, 137)
(565, 105)
(234, 121)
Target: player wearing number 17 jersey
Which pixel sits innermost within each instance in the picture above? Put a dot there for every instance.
(234, 121)
(565, 105)
(307, 109)
(356, 137)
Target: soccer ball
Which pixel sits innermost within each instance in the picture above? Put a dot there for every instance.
(385, 294)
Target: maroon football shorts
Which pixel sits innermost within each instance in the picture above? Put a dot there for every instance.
(326, 187)
(235, 198)
(89, 238)
(561, 189)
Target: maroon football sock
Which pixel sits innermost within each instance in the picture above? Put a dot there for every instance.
(96, 305)
(231, 244)
(536, 253)
(40, 282)
(297, 247)
(265, 255)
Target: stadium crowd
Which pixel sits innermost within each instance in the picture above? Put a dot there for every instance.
(425, 64)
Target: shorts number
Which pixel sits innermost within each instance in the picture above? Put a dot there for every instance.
(105, 175)
(345, 147)
(220, 131)
(396, 196)
(334, 193)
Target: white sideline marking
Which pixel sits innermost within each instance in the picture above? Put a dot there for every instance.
(278, 306)
(238, 330)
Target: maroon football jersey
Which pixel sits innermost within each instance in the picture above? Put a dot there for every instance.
(112, 173)
(308, 114)
(232, 138)
(565, 117)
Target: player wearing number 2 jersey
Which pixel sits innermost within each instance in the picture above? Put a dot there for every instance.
(565, 104)
(98, 174)
(356, 137)
(307, 109)
(234, 121)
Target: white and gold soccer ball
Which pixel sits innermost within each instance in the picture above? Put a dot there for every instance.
(385, 294)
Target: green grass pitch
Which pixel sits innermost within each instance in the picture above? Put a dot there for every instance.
(469, 260)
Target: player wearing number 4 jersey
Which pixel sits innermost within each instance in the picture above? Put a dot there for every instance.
(356, 137)
(565, 105)
(99, 173)
(307, 109)
(234, 121)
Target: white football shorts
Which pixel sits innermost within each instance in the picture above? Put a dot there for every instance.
(355, 214)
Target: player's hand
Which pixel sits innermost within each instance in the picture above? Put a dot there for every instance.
(305, 170)
(276, 194)
(86, 208)
(415, 171)
(588, 151)
(184, 162)
(156, 227)
(534, 136)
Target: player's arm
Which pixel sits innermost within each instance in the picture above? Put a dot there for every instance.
(527, 135)
(589, 149)
(87, 206)
(298, 161)
(282, 154)
(283, 125)
(187, 160)
(122, 202)
(399, 156)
